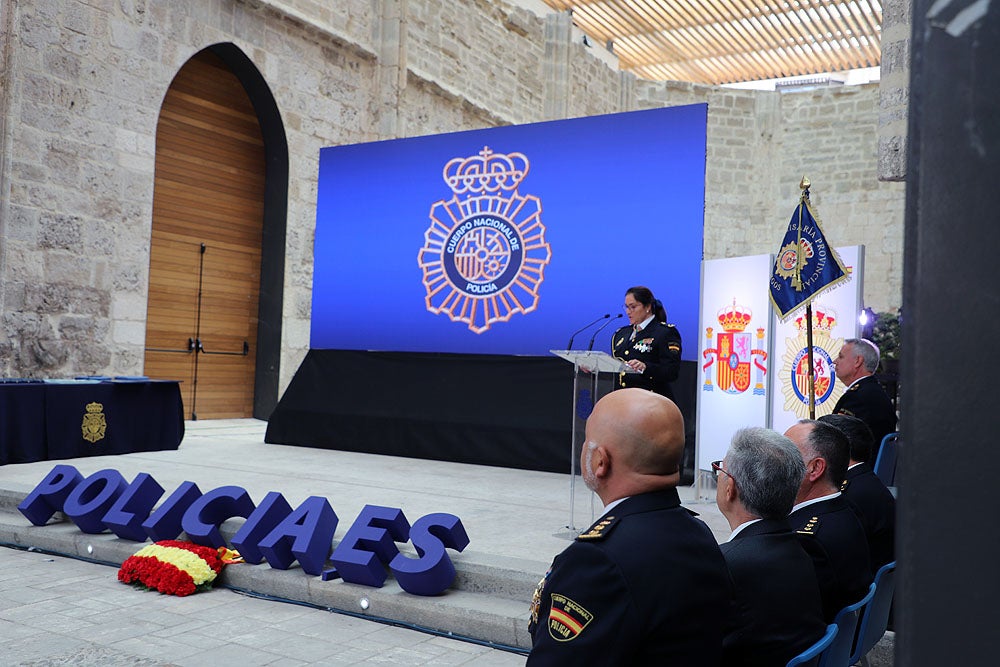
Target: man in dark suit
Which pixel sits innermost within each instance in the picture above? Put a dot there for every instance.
(864, 398)
(827, 523)
(875, 505)
(779, 612)
(646, 584)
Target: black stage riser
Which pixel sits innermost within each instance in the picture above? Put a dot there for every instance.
(499, 410)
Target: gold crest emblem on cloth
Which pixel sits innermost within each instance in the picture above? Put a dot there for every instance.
(94, 423)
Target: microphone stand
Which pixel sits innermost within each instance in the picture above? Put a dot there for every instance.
(602, 317)
(591, 346)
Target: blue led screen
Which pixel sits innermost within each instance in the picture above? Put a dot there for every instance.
(506, 240)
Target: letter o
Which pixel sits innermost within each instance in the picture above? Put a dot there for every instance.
(91, 499)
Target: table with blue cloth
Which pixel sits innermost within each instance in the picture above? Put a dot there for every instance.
(66, 419)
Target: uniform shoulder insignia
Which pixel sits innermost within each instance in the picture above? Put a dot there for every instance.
(599, 530)
(810, 527)
(845, 411)
(843, 485)
(536, 602)
(673, 347)
(853, 387)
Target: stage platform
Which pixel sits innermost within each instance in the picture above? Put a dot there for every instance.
(517, 521)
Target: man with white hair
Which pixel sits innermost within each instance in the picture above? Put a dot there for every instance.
(864, 398)
(779, 611)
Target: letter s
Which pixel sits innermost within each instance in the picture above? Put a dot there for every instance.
(433, 572)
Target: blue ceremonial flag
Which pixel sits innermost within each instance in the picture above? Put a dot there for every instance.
(806, 264)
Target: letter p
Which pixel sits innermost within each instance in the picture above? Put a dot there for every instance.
(49, 496)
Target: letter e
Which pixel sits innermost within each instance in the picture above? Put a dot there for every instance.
(370, 542)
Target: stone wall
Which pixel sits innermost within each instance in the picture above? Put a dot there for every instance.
(81, 82)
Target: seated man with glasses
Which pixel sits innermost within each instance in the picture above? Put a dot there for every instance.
(779, 611)
(827, 522)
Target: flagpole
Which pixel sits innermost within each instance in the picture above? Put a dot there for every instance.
(809, 348)
(804, 186)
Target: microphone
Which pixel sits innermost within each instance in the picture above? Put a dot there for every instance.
(602, 317)
(591, 346)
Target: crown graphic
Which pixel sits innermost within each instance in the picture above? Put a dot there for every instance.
(94, 408)
(823, 319)
(486, 172)
(734, 318)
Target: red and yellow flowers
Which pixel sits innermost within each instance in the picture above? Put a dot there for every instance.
(174, 567)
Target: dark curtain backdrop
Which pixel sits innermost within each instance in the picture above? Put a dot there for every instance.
(499, 410)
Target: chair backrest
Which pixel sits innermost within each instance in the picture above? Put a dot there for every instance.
(875, 617)
(847, 623)
(885, 462)
(812, 654)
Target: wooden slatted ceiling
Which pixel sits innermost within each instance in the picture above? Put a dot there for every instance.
(728, 41)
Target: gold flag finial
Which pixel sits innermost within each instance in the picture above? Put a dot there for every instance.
(804, 183)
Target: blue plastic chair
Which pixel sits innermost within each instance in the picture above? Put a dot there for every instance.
(812, 654)
(885, 462)
(847, 623)
(875, 617)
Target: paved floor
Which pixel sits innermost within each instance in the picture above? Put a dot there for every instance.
(62, 611)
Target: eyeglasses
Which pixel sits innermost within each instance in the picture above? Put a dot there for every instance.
(632, 306)
(717, 468)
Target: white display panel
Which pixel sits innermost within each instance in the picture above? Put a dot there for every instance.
(733, 359)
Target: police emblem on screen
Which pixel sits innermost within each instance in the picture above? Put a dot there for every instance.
(484, 253)
(795, 370)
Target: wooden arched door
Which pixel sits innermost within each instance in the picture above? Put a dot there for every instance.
(205, 254)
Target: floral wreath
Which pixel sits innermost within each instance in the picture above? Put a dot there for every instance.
(174, 567)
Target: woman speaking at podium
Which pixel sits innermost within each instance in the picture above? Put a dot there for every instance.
(648, 344)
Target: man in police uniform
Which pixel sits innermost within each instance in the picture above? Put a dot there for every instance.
(646, 584)
(647, 344)
(779, 611)
(875, 505)
(831, 532)
(865, 398)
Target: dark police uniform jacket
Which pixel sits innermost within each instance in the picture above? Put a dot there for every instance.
(645, 585)
(658, 346)
(779, 612)
(876, 509)
(867, 400)
(833, 536)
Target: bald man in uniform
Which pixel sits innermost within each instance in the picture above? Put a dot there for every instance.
(647, 583)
